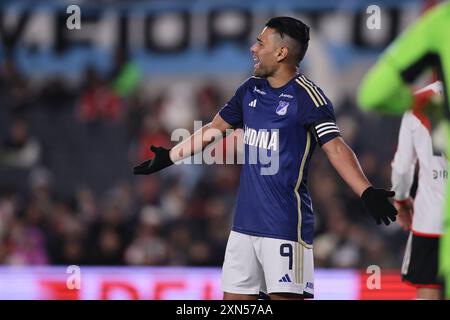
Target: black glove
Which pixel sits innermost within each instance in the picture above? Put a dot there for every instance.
(160, 161)
(377, 204)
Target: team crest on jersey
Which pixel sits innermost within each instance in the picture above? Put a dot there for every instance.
(282, 108)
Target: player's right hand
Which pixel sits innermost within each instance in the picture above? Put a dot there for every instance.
(376, 201)
(405, 210)
(160, 161)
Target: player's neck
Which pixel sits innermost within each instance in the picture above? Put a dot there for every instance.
(281, 77)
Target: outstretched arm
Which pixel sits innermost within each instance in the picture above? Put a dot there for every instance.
(346, 164)
(196, 143)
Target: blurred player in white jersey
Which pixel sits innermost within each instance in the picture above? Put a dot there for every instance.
(423, 215)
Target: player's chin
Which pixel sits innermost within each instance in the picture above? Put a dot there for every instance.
(257, 72)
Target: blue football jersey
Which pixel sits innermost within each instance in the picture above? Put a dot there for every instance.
(282, 125)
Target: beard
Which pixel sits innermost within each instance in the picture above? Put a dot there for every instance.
(261, 71)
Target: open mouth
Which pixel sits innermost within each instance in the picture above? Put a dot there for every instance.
(256, 60)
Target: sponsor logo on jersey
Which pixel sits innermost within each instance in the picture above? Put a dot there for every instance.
(282, 108)
(252, 103)
(259, 91)
(261, 138)
(440, 174)
(287, 96)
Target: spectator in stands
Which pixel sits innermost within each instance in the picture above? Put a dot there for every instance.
(20, 149)
(98, 102)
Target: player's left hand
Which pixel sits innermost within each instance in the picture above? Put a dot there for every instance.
(376, 201)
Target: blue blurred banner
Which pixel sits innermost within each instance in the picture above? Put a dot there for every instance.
(173, 37)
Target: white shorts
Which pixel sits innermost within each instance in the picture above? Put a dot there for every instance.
(253, 264)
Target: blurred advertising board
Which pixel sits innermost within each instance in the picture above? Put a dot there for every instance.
(172, 283)
(173, 37)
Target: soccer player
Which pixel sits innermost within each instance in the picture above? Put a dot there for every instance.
(385, 88)
(423, 216)
(283, 112)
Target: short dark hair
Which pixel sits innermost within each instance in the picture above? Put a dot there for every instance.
(295, 29)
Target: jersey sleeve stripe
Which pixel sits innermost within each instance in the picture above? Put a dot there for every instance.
(327, 132)
(314, 92)
(326, 128)
(317, 90)
(309, 92)
(324, 124)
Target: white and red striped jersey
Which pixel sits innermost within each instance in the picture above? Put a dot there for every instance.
(415, 146)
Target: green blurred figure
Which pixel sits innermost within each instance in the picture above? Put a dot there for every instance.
(424, 45)
(125, 75)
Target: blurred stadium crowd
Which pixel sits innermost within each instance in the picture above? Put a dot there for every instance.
(68, 196)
